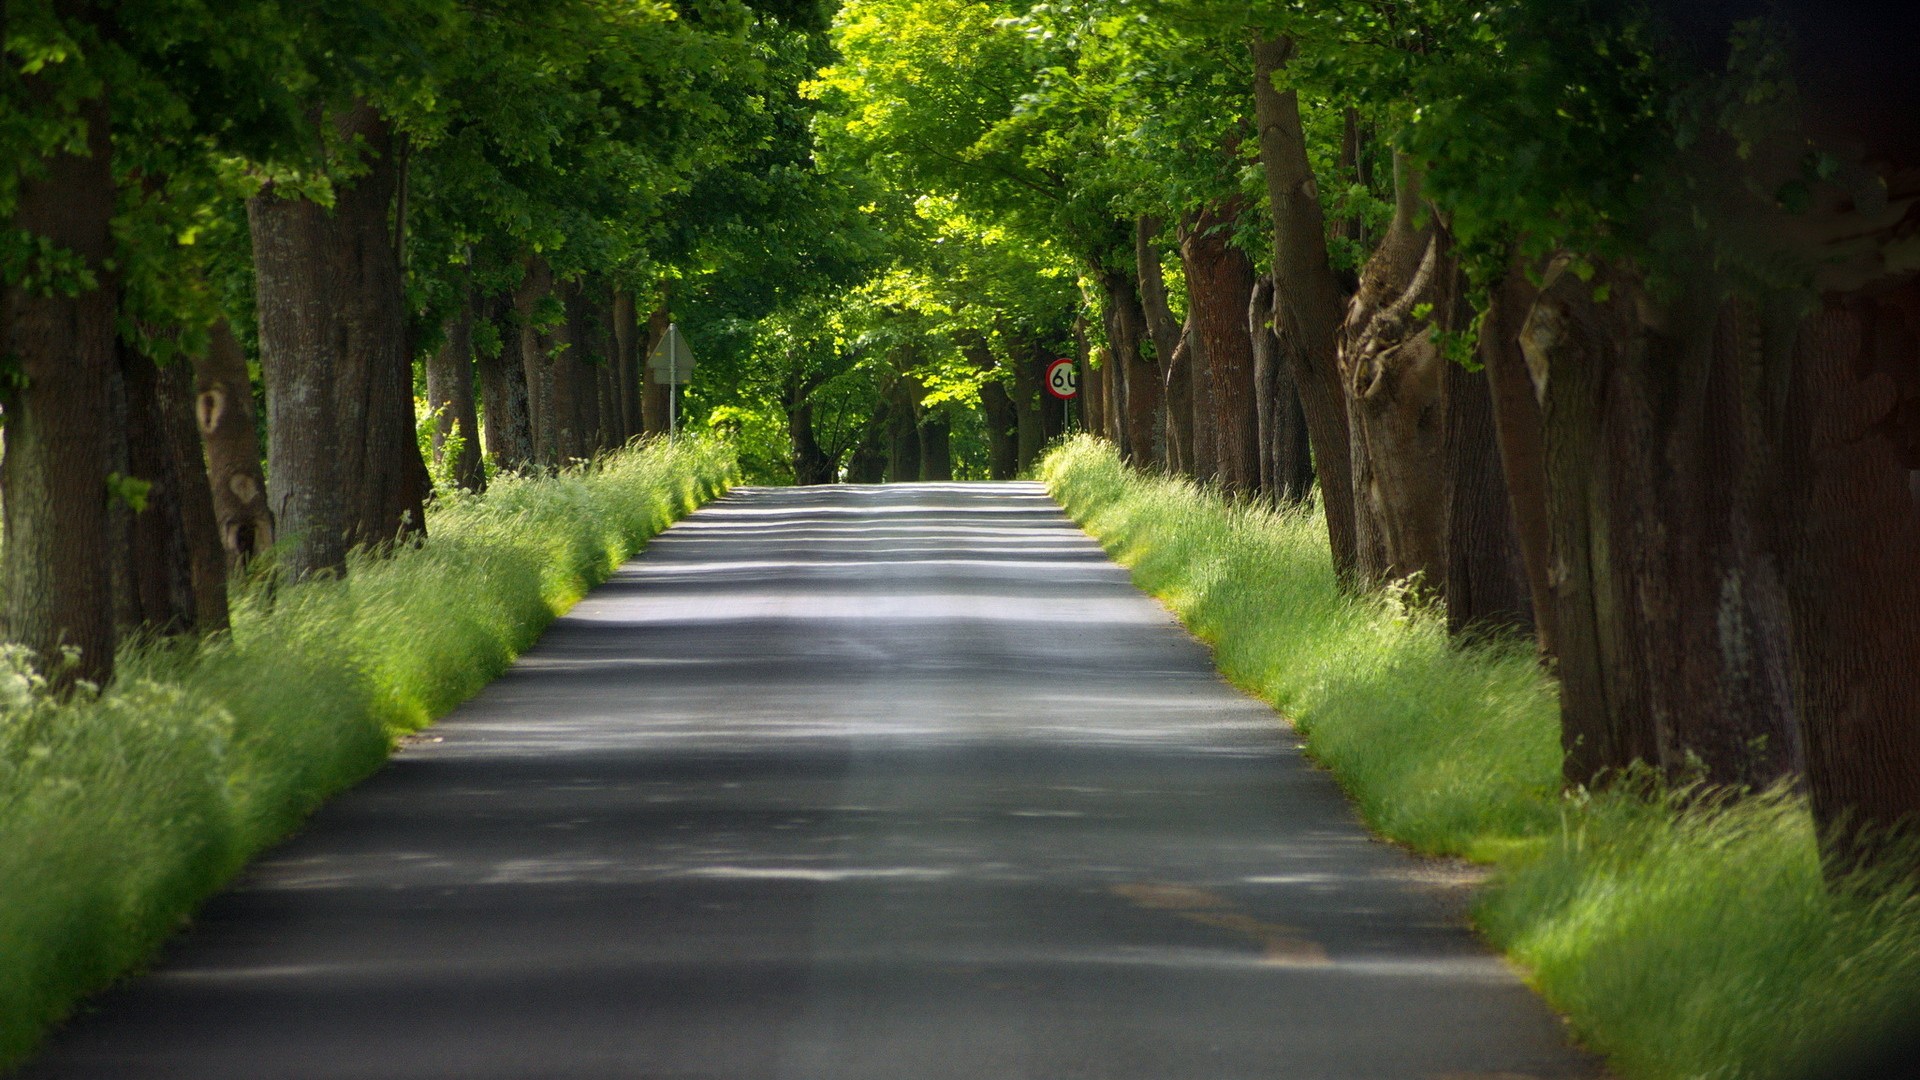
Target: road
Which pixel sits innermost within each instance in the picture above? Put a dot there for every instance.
(854, 783)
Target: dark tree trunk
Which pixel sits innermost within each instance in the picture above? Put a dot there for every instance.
(1309, 304)
(536, 358)
(1206, 410)
(576, 414)
(1163, 330)
(936, 445)
(654, 397)
(1178, 391)
(381, 469)
(867, 464)
(300, 363)
(811, 465)
(205, 554)
(1093, 393)
(152, 564)
(627, 343)
(450, 396)
(223, 409)
(1394, 373)
(1486, 583)
(903, 450)
(997, 407)
(1286, 456)
(1030, 403)
(503, 394)
(1671, 616)
(1139, 411)
(1852, 569)
(1523, 456)
(1219, 280)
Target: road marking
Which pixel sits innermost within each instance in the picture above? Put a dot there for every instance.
(1278, 942)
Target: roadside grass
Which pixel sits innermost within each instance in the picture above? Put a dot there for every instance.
(121, 811)
(1681, 936)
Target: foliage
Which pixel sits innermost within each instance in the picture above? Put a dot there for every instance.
(120, 810)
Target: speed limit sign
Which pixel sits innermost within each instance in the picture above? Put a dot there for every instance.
(1063, 381)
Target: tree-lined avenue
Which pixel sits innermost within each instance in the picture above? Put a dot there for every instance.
(902, 782)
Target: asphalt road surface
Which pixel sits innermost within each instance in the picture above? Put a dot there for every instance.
(854, 783)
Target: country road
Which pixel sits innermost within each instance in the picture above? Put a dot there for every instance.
(850, 783)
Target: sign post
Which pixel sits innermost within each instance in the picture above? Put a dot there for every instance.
(671, 363)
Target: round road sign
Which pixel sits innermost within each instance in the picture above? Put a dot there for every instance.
(1063, 381)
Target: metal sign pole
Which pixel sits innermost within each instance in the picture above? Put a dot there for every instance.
(673, 381)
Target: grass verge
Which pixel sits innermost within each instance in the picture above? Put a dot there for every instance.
(121, 811)
(1680, 940)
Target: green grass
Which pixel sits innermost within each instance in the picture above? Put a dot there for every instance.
(120, 812)
(1680, 939)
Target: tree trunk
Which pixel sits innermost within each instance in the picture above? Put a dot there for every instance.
(811, 465)
(1671, 617)
(450, 396)
(1126, 336)
(152, 564)
(1395, 377)
(1852, 569)
(936, 445)
(503, 394)
(654, 398)
(1093, 393)
(1206, 411)
(576, 413)
(1286, 456)
(1219, 280)
(381, 469)
(1030, 403)
(207, 559)
(998, 409)
(223, 409)
(627, 342)
(1486, 582)
(1163, 330)
(903, 451)
(1309, 304)
(1178, 391)
(1523, 457)
(536, 359)
(299, 324)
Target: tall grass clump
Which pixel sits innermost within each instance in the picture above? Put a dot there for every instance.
(120, 810)
(1682, 935)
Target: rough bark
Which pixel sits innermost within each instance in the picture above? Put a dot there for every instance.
(997, 407)
(575, 410)
(503, 394)
(811, 464)
(936, 445)
(385, 478)
(1286, 457)
(1178, 391)
(1163, 330)
(1517, 427)
(1093, 392)
(1486, 578)
(903, 444)
(1030, 402)
(1309, 304)
(1852, 569)
(1219, 280)
(223, 411)
(295, 297)
(536, 358)
(653, 396)
(1671, 617)
(627, 343)
(1206, 423)
(450, 396)
(206, 559)
(1394, 374)
(152, 564)
(1139, 409)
